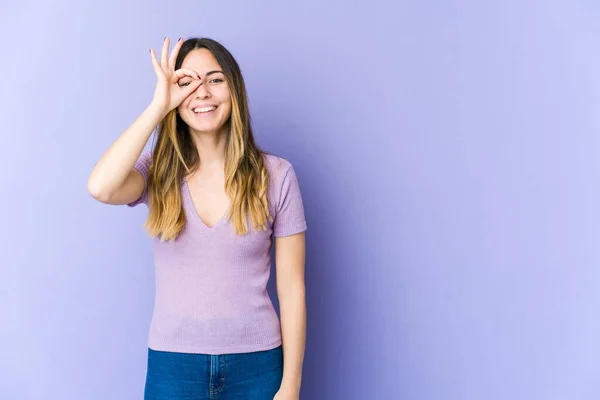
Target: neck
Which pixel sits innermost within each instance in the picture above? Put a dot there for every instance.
(211, 149)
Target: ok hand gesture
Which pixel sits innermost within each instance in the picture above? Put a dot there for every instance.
(168, 94)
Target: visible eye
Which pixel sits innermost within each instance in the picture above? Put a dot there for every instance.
(184, 84)
(216, 79)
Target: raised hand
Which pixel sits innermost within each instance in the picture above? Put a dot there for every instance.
(168, 94)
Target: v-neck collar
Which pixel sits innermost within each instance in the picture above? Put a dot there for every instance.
(187, 194)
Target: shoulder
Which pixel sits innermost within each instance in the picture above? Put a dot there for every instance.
(285, 198)
(278, 167)
(281, 174)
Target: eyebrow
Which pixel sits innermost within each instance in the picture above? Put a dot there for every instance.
(214, 72)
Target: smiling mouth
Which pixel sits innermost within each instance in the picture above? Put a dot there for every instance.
(204, 110)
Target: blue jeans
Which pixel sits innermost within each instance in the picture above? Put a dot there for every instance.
(186, 376)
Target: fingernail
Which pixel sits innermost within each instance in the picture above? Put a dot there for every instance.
(179, 40)
(165, 39)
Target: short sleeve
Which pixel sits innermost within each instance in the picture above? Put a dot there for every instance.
(289, 217)
(142, 165)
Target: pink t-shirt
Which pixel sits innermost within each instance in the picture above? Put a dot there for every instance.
(211, 285)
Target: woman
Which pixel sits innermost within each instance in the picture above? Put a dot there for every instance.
(215, 203)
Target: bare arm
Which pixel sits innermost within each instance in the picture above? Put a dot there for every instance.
(113, 179)
(290, 259)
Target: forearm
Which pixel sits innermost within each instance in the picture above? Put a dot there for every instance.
(293, 330)
(111, 171)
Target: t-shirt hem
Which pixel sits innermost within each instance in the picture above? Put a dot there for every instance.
(289, 232)
(215, 350)
(139, 165)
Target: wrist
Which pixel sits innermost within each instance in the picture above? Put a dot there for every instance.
(291, 384)
(157, 110)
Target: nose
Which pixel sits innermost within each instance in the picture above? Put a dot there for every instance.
(202, 91)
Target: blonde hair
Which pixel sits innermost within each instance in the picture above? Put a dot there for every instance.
(174, 156)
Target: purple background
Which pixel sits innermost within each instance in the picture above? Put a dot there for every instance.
(447, 152)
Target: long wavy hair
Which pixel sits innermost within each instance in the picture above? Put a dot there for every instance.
(174, 156)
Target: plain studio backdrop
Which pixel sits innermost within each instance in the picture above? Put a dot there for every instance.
(447, 154)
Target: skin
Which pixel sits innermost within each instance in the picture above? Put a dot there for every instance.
(291, 292)
(209, 133)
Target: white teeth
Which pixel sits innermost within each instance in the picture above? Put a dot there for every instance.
(204, 109)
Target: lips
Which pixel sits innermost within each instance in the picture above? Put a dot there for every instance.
(203, 107)
(205, 114)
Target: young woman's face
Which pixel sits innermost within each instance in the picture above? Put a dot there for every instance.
(212, 92)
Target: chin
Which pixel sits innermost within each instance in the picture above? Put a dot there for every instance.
(206, 127)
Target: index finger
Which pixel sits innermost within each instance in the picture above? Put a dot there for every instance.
(174, 53)
(180, 73)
